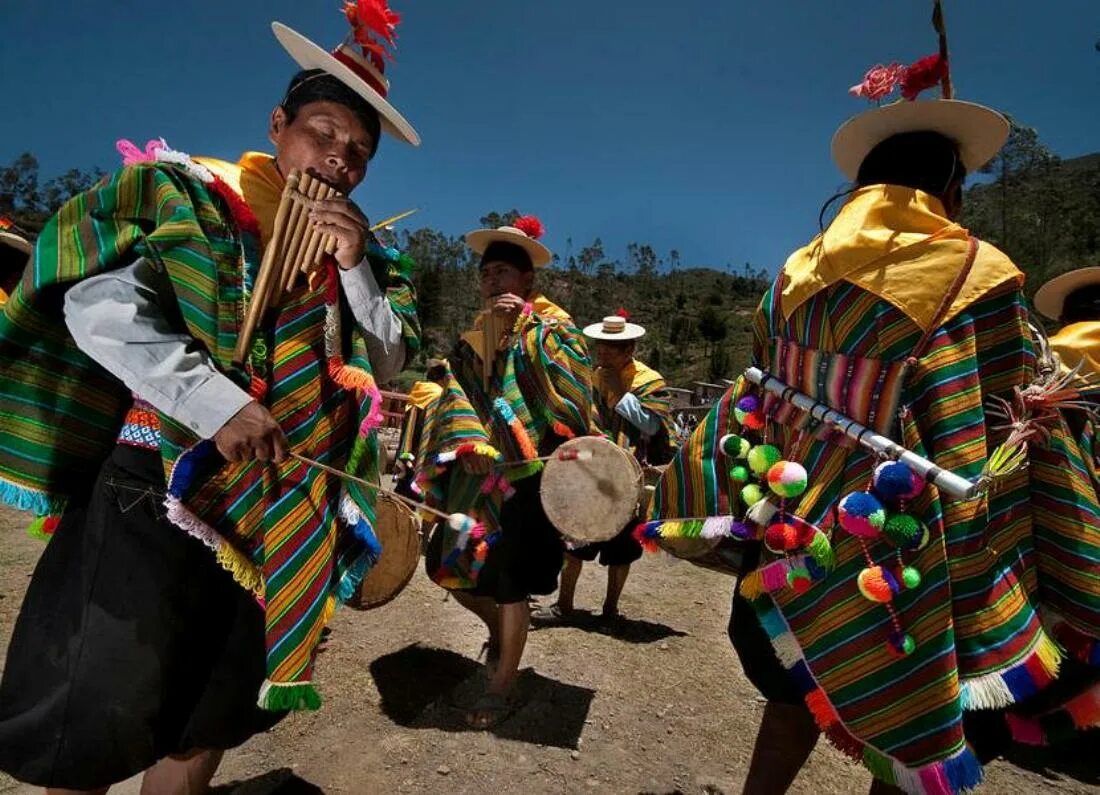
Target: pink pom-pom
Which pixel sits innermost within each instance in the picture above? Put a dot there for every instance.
(861, 514)
(530, 226)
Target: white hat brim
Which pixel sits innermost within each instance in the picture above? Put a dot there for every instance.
(1049, 298)
(979, 131)
(309, 56)
(480, 239)
(19, 243)
(631, 331)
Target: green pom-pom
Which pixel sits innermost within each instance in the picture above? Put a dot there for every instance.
(751, 494)
(763, 457)
(911, 577)
(903, 530)
(739, 473)
(734, 446)
(908, 645)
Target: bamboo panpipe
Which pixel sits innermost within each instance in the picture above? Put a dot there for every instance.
(295, 247)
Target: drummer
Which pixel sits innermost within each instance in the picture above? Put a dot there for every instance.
(633, 409)
(537, 395)
(1073, 299)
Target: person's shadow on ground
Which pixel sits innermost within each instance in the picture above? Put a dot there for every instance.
(1075, 759)
(631, 630)
(428, 688)
(282, 781)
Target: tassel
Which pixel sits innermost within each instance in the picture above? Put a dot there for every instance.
(752, 587)
(881, 767)
(277, 697)
(821, 708)
(716, 527)
(25, 499)
(963, 770)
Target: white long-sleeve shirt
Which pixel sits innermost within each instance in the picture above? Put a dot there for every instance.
(117, 320)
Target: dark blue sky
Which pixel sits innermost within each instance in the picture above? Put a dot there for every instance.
(699, 126)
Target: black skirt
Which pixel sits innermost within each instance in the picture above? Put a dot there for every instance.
(527, 558)
(132, 643)
(622, 550)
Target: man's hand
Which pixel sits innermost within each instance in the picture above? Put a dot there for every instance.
(508, 305)
(347, 224)
(252, 434)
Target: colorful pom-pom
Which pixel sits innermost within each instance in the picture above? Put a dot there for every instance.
(798, 578)
(894, 480)
(530, 225)
(903, 530)
(748, 404)
(787, 478)
(763, 457)
(753, 420)
(910, 577)
(460, 522)
(781, 537)
(861, 514)
(741, 530)
(901, 643)
(877, 584)
(752, 494)
(740, 473)
(734, 446)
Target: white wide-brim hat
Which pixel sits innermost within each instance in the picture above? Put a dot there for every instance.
(480, 239)
(980, 132)
(19, 243)
(614, 328)
(1051, 296)
(310, 56)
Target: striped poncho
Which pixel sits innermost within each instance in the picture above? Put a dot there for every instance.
(281, 530)
(994, 570)
(540, 394)
(649, 387)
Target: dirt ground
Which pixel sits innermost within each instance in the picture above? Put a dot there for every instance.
(659, 707)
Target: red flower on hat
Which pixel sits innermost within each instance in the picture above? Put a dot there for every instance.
(622, 313)
(369, 17)
(5, 222)
(878, 82)
(929, 71)
(530, 226)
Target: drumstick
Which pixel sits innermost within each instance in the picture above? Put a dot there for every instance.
(257, 305)
(563, 455)
(418, 506)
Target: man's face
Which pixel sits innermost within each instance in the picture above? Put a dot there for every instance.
(325, 139)
(498, 278)
(1082, 305)
(614, 355)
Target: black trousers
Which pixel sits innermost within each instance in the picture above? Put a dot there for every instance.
(132, 643)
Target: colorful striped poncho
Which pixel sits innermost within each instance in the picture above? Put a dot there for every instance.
(649, 387)
(540, 395)
(281, 530)
(994, 570)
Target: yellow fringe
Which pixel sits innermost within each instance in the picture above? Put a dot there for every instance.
(244, 572)
(1049, 654)
(752, 585)
(329, 609)
(487, 450)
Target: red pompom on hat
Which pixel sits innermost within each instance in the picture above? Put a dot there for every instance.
(530, 226)
(622, 313)
(926, 73)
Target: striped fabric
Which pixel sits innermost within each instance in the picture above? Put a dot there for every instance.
(282, 531)
(649, 387)
(541, 393)
(988, 566)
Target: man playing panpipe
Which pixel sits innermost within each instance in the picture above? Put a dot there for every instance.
(193, 562)
(632, 408)
(915, 630)
(518, 385)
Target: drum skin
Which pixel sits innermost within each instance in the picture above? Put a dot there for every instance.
(593, 498)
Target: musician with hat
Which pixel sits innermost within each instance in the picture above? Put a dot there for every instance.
(902, 622)
(1073, 299)
(194, 559)
(633, 409)
(518, 385)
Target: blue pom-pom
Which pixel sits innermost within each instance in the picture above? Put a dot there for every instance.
(894, 480)
(748, 404)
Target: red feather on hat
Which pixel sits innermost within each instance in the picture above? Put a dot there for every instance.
(530, 226)
(373, 17)
(621, 312)
(926, 73)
